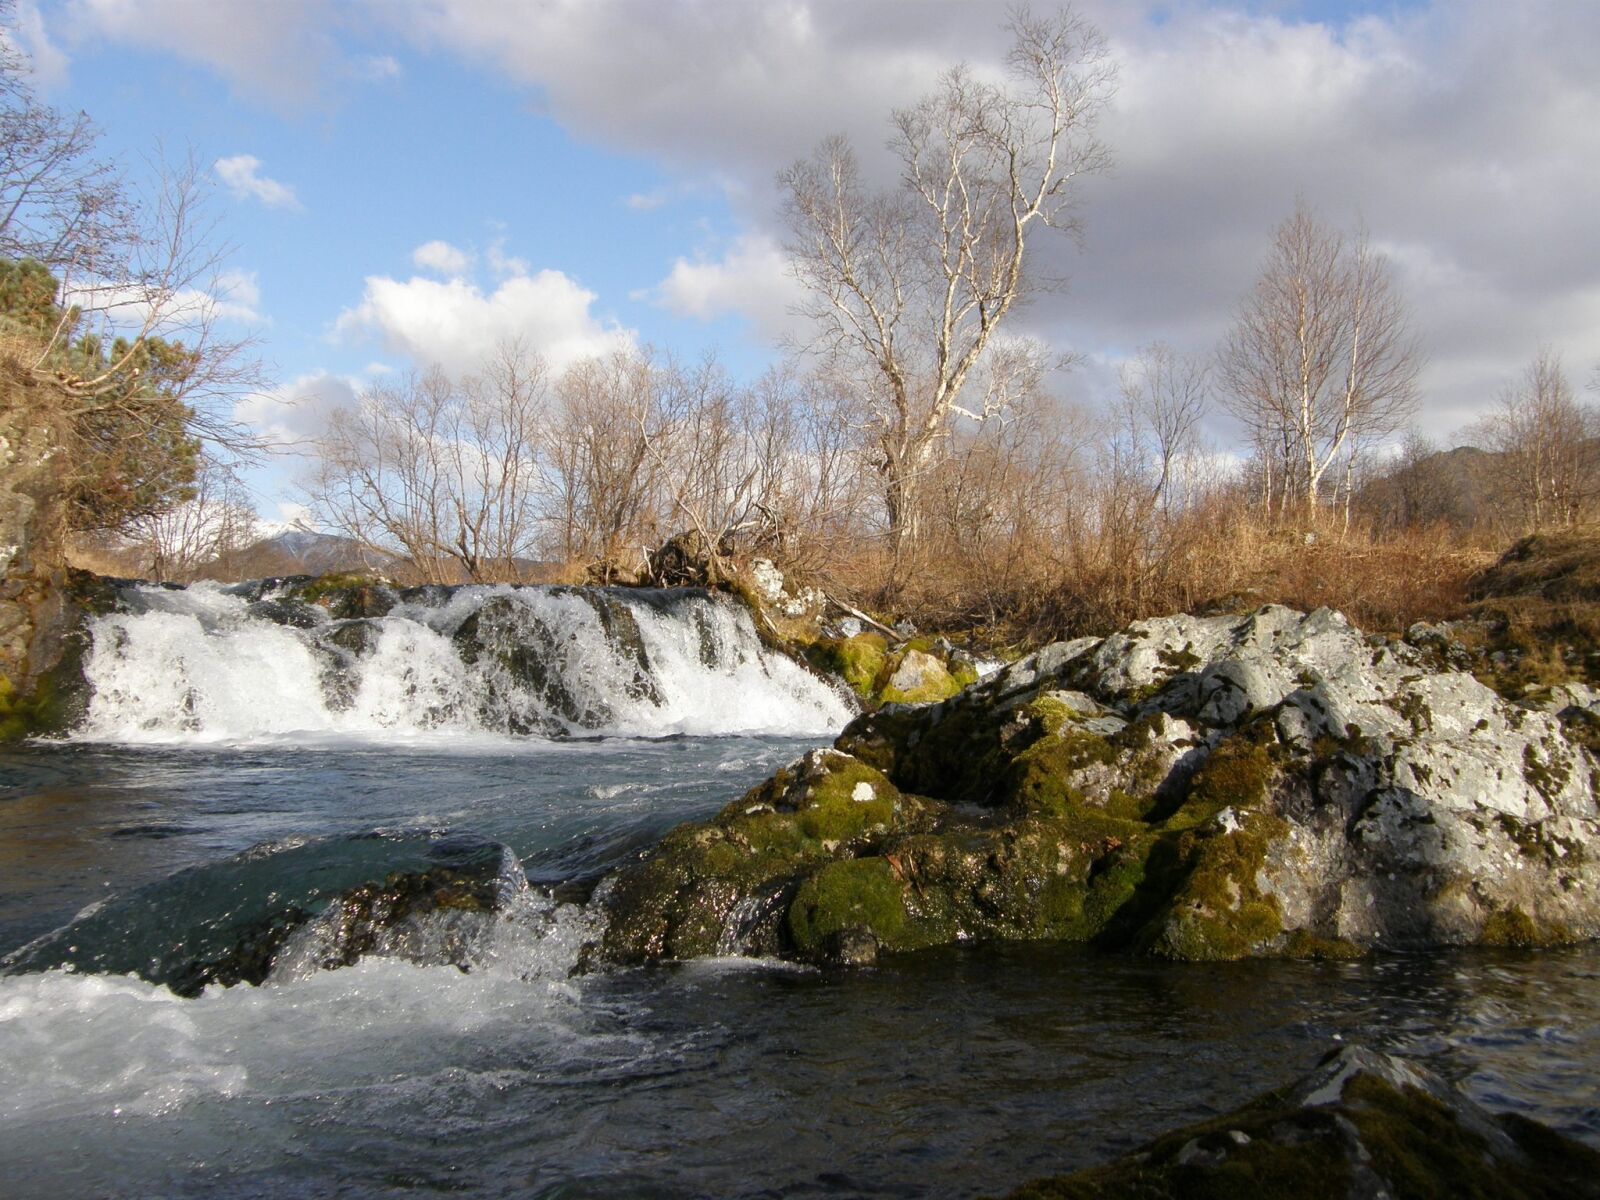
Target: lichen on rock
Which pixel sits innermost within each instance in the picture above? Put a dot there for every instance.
(1195, 788)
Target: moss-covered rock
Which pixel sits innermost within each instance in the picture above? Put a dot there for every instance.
(857, 660)
(921, 671)
(1195, 789)
(50, 694)
(345, 595)
(1360, 1124)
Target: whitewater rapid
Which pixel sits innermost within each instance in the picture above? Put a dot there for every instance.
(204, 665)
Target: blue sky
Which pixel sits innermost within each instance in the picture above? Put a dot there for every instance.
(602, 169)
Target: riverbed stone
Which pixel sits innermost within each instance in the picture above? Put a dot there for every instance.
(1361, 1124)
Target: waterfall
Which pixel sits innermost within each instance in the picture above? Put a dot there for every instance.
(256, 662)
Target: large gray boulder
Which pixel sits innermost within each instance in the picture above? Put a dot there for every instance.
(1195, 788)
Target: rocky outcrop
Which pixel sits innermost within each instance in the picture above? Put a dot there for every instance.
(1193, 788)
(1362, 1124)
(315, 905)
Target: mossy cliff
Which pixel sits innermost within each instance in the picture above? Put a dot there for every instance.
(1189, 788)
(1360, 1124)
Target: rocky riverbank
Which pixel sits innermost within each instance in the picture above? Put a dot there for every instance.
(1192, 788)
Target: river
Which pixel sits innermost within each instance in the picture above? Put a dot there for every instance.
(954, 1073)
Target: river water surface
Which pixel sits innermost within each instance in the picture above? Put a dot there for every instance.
(953, 1073)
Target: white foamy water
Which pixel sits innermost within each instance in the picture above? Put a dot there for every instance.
(197, 665)
(77, 1046)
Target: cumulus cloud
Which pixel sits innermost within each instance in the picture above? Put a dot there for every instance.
(458, 325)
(291, 415)
(241, 174)
(236, 297)
(46, 62)
(751, 279)
(442, 259)
(232, 297)
(1467, 131)
(286, 51)
(1465, 134)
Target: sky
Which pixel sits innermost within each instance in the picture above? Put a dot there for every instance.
(403, 182)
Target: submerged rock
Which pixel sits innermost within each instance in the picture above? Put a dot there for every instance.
(326, 903)
(1362, 1124)
(1192, 788)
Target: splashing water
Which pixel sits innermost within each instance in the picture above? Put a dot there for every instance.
(203, 665)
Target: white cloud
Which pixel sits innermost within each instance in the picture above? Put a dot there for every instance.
(284, 51)
(442, 259)
(242, 175)
(237, 297)
(289, 416)
(1465, 133)
(647, 201)
(374, 68)
(505, 265)
(751, 279)
(458, 325)
(232, 297)
(46, 62)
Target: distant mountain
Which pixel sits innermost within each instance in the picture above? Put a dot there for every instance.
(306, 552)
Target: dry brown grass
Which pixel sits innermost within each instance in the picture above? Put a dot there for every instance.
(1220, 558)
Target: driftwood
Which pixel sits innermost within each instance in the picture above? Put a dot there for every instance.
(862, 617)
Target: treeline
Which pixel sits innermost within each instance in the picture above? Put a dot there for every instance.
(1039, 514)
(913, 454)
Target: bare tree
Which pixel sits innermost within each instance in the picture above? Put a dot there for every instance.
(603, 494)
(1165, 395)
(61, 204)
(1321, 355)
(205, 535)
(445, 472)
(907, 287)
(1548, 467)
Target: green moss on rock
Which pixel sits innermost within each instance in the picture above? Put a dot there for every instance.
(860, 893)
(857, 660)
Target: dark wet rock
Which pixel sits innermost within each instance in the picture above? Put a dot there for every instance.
(533, 691)
(345, 596)
(358, 638)
(342, 646)
(1192, 788)
(280, 611)
(853, 946)
(622, 632)
(530, 682)
(251, 590)
(1361, 1125)
(330, 901)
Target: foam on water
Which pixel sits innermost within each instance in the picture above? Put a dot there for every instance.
(198, 665)
(83, 1046)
